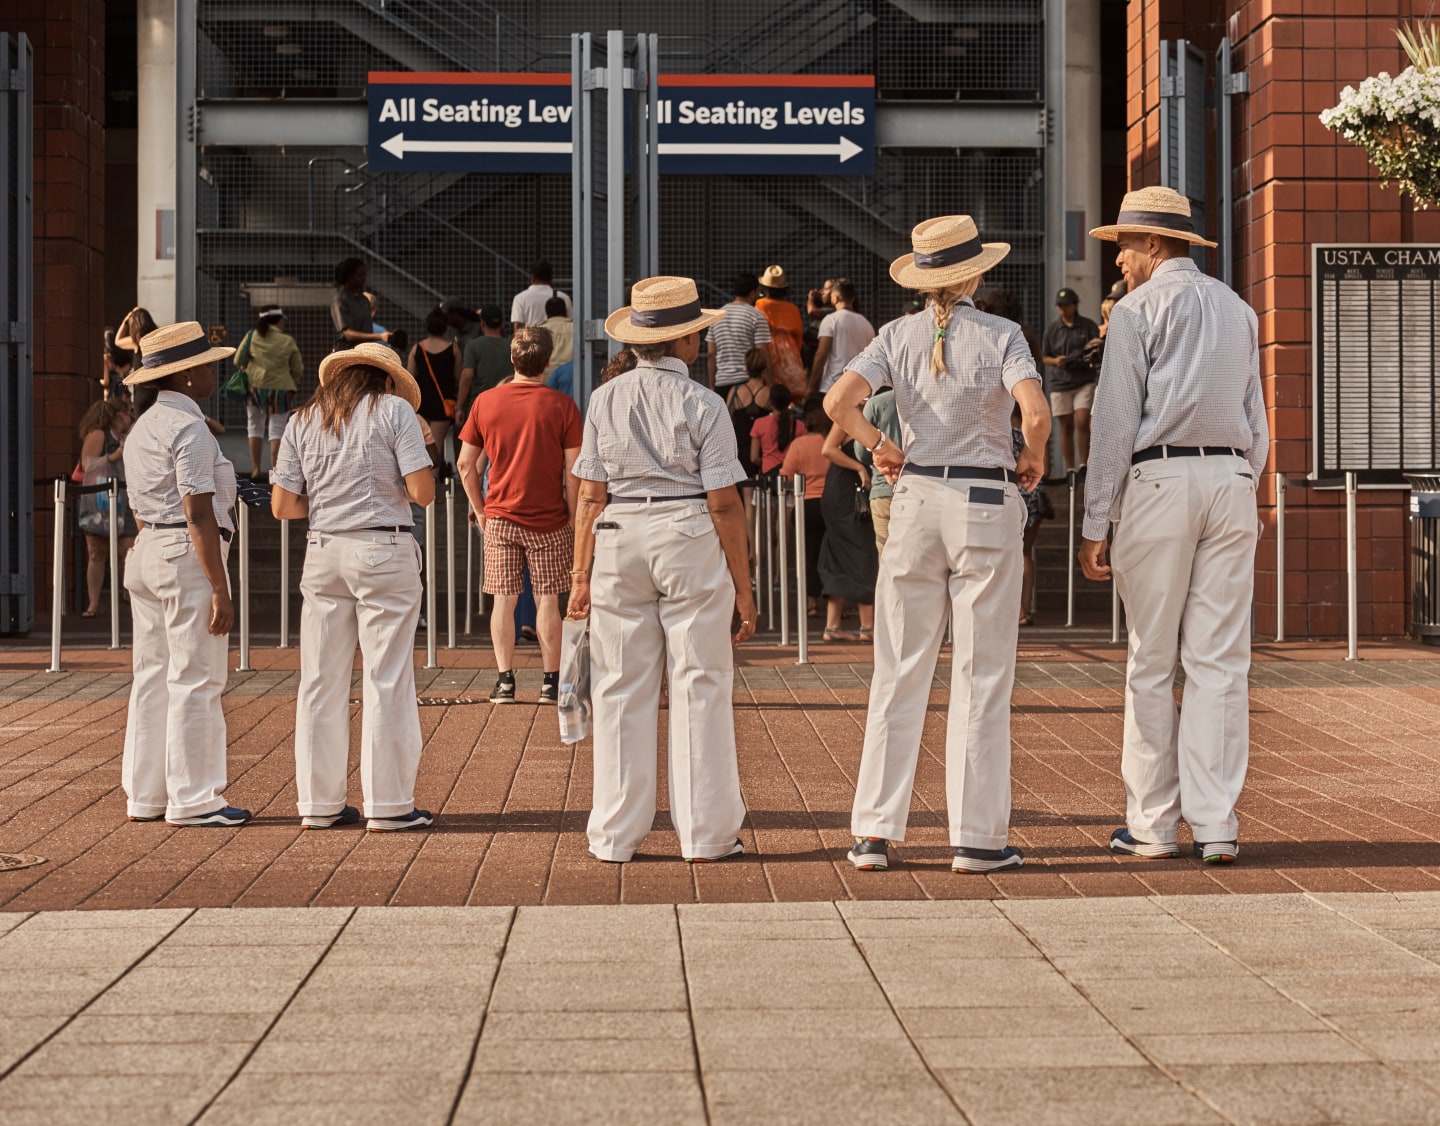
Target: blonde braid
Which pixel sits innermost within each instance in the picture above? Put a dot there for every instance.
(944, 301)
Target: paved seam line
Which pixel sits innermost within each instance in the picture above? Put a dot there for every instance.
(117, 979)
(269, 1028)
(499, 812)
(484, 1015)
(1179, 1081)
(690, 1015)
(914, 1045)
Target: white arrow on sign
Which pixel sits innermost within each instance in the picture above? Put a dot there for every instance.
(844, 149)
(397, 146)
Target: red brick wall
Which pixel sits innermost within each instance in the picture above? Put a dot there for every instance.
(1296, 183)
(68, 38)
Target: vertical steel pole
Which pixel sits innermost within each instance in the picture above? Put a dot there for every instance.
(615, 173)
(755, 545)
(1070, 555)
(769, 503)
(1054, 138)
(450, 562)
(652, 170)
(430, 603)
(1352, 570)
(57, 576)
(469, 567)
(243, 524)
(1114, 611)
(1279, 557)
(1224, 173)
(284, 585)
(783, 527)
(187, 170)
(802, 622)
(114, 492)
(579, 283)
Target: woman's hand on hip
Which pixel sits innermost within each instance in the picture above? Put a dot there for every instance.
(889, 459)
(579, 607)
(1030, 468)
(745, 607)
(222, 613)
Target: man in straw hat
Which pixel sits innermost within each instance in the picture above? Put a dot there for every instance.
(660, 562)
(352, 461)
(956, 522)
(1179, 443)
(182, 490)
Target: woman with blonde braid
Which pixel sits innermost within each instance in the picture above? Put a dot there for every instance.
(954, 549)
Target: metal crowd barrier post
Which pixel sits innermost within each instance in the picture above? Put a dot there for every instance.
(114, 493)
(1352, 570)
(450, 562)
(430, 606)
(1114, 611)
(57, 585)
(784, 530)
(755, 544)
(769, 505)
(801, 630)
(284, 585)
(1279, 557)
(469, 566)
(243, 524)
(1070, 477)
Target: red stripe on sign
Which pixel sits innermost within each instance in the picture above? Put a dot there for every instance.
(435, 78)
(811, 80)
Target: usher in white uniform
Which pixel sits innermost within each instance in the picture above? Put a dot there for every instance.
(174, 762)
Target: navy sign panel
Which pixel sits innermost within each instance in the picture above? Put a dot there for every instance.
(764, 124)
(469, 122)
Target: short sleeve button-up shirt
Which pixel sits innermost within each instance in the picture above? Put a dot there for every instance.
(355, 479)
(170, 454)
(655, 432)
(960, 417)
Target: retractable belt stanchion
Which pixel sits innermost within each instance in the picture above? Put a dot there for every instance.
(284, 585)
(57, 583)
(430, 603)
(1279, 557)
(450, 562)
(783, 528)
(469, 567)
(114, 493)
(801, 630)
(755, 547)
(243, 524)
(768, 503)
(1070, 476)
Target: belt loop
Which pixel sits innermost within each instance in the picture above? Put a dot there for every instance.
(1164, 453)
(1202, 451)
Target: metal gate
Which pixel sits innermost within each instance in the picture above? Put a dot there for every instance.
(17, 532)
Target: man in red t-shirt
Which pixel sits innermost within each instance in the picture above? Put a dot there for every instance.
(531, 436)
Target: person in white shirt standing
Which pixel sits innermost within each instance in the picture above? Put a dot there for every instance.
(528, 308)
(1178, 445)
(744, 327)
(181, 489)
(351, 462)
(844, 334)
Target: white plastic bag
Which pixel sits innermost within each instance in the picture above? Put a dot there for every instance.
(574, 704)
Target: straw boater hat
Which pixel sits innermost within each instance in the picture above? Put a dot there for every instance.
(773, 278)
(947, 251)
(1153, 211)
(661, 309)
(176, 347)
(374, 355)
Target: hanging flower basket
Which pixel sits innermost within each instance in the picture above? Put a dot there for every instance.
(1397, 120)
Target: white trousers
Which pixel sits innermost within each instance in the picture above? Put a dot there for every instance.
(661, 600)
(953, 552)
(358, 587)
(1184, 559)
(174, 760)
(256, 425)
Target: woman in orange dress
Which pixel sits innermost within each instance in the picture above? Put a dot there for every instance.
(786, 332)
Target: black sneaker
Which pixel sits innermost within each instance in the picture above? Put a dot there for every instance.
(415, 819)
(550, 689)
(504, 690)
(986, 859)
(347, 816)
(227, 818)
(1122, 841)
(870, 855)
(1217, 852)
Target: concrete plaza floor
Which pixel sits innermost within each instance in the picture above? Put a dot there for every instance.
(488, 970)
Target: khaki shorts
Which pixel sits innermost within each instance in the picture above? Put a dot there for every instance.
(1068, 402)
(510, 549)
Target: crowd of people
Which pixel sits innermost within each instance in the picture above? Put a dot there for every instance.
(923, 449)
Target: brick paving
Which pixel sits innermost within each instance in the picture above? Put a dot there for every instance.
(1342, 794)
(1169, 1010)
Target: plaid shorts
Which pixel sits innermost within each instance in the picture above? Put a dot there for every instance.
(510, 549)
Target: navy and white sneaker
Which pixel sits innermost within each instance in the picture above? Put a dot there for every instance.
(157, 817)
(737, 849)
(415, 819)
(986, 859)
(869, 855)
(504, 690)
(227, 818)
(347, 816)
(1217, 852)
(1122, 841)
(550, 689)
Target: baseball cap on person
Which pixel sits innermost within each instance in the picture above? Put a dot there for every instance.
(492, 315)
(1067, 296)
